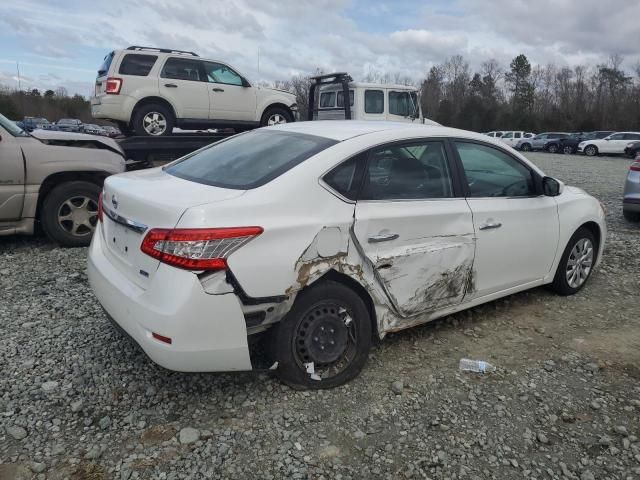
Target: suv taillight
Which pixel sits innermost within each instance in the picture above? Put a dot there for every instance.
(635, 166)
(100, 209)
(197, 248)
(113, 86)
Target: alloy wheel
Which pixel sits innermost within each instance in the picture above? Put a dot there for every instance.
(325, 341)
(567, 150)
(590, 150)
(276, 119)
(154, 123)
(78, 216)
(579, 263)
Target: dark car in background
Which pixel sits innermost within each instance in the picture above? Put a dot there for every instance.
(631, 197)
(34, 123)
(69, 125)
(632, 149)
(569, 145)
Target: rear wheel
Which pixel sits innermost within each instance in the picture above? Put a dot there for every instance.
(153, 120)
(553, 148)
(324, 340)
(631, 216)
(526, 147)
(591, 151)
(275, 116)
(69, 213)
(576, 264)
(567, 149)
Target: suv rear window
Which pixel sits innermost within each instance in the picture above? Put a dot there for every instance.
(249, 160)
(135, 64)
(106, 63)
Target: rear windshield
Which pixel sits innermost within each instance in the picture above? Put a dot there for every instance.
(249, 160)
(104, 68)
(136, 64)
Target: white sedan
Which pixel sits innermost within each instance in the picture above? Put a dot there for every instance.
(290, 247)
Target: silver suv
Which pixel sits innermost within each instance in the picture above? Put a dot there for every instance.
(149, 91)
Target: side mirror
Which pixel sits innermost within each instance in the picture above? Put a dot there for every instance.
(551, 187)
(245, 82)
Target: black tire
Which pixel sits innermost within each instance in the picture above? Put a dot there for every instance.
(553, 148)
(631, 216)
(273, 112)
(303, 337)
(560, 282)
(57, 204)
(591, 150)
(153, 111)
(526, 147)
(567, 150)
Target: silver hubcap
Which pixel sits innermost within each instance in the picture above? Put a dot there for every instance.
(154, 123)
(78, 216)
(590, 151)
(579, 263)
(276, 119)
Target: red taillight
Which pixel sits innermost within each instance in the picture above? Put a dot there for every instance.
(635, 166)
(100, 210)
(197, 248)
(113, 86)
(161, 338)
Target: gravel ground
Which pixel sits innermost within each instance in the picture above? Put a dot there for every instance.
(78, 401)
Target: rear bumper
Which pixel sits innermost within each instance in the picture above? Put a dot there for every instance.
(631, 204)
(208, 332)
(112, 107)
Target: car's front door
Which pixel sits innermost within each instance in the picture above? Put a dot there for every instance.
(414, 227)
(11, 177)
(229, 99)
(538, 141)
(403, 106)
(517, 228)
(182, 83)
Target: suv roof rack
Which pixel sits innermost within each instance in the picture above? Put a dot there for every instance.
(163, 50)
(341, 78)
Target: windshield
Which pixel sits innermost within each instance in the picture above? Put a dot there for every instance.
(249, 160)
(11, 127)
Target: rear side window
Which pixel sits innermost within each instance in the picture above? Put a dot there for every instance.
(135, 64)
(327, 99)
(182, 69)
(373, 101)
(632, 136)
(345, 178)
(106, 63)
(249, 160)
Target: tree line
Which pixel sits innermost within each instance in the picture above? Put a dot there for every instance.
(519, 97)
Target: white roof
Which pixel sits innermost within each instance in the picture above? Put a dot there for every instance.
(392, 86)
(345, 129)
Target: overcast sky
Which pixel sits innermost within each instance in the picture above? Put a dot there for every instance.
(62, 43)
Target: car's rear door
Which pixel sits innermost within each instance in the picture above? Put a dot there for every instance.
(517, 228)
(414, 227)
(183, 83)
(11, 177)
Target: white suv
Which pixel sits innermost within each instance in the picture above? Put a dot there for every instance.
(148, 91)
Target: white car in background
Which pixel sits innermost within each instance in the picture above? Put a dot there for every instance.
(613, 144)
(512, 138)
(494, 134)
(311, 238)
(149, 91)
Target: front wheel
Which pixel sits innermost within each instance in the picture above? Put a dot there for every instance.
(591, 151)
(324, 340)
(275, 116)
(553, 148)
(69, 213)
(568, 150)
(576, 264)
(525, 147)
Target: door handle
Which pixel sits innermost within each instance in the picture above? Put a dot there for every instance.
(384, 237)
(489, 226)
(218, 89)
(171, 85)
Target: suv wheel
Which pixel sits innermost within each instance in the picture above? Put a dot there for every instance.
(567, 150)
(324, 340)
(591, 151)
(153, 121)
(526, 147)
(275, 116)
(70, 213)
(553, 148)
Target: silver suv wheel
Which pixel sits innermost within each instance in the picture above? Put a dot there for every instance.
(276, 119)
(78, 216)
(154, 123)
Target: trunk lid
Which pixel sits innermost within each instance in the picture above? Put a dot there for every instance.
(136, 202)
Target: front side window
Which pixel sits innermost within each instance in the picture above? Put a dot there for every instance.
(182, 69)
(373, 101)
(414, 171)
(249, 160)
(219, 73)
(340, 99)
(327, 99)
(135, 64)
(507, 135)
(401, 103)
(492, 173)
(617, 136)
